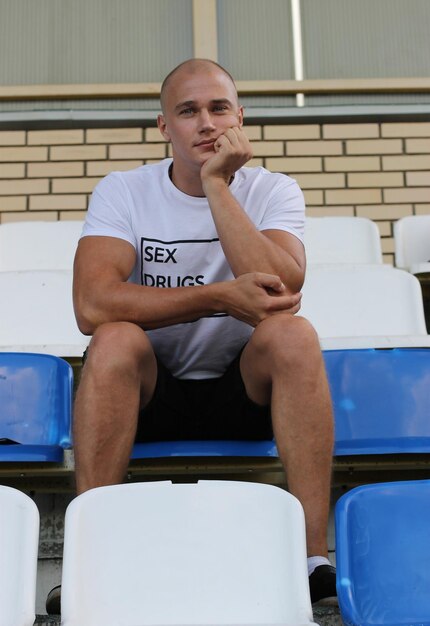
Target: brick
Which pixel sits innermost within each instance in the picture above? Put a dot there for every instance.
(102, 168)
(26, 216)
(72, 215)
(267, 148)
(153, 135)
(12, 170)
(78, 153)
(320, 181)
(385, 229)
(346, 131)
(352, 164)
(141, 151)
(305, 164)
(299, 131)
(23, 154)
(74, 185)
(254, 133)
(353, 196)
(313, 197)
(418, 146)
(114, 135)
(419, 162)
(384, 211)
(255, 163)
(408, 194)
(313, 148)
(418, 179)
(413, 129)
(13, 203)
(379, 179)
(324, 211)
(12, 138)
(57, 202)
(23, 186)
(387, 244)
(388, 259)
(374, 146)
(54, 137)
(57, 169)
(422, 209)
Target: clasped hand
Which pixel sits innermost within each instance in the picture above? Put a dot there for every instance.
(255, 296)
(232, 150)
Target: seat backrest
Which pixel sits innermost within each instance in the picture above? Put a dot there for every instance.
(19, 539)
(383, 554)
(381, 400)
(342, 240)
(412, 241)
(36, 401)
(363, 301)
(39, 245)
(36, 314)
(207, 553)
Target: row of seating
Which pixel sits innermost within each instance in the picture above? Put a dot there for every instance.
(329, 240)
(357, 306)
(381, 400)
(224, 560)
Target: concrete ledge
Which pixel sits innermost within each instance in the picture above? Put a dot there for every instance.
(322, 616)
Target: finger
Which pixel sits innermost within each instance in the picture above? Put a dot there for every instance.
(270, 281)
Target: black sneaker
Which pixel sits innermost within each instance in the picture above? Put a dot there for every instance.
(53, 601)
(322, 585)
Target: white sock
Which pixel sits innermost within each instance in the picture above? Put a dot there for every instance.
(316, 561)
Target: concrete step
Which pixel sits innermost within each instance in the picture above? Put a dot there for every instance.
(327, 616)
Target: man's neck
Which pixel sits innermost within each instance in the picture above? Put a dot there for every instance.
(188, 182)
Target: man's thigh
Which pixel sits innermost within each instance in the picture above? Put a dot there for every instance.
(208, 409)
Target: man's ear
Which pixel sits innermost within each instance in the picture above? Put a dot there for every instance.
(240, 116)
(162, 126)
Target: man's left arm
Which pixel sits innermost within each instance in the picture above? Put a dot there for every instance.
(246, 248)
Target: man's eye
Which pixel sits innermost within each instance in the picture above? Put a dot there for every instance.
(220, 107)
(187, 111)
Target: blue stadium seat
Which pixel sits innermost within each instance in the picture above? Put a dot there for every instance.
(381, 400)
(163, 449)
(383, 554)
(35, 407)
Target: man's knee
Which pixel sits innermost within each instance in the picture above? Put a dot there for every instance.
(119, 344)
(286, 337)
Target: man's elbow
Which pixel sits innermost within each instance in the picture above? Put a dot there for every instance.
(86, 318)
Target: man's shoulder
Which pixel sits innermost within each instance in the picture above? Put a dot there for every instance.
(152, 170)
(259, 174)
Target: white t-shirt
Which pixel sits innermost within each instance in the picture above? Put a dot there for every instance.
(177, 245)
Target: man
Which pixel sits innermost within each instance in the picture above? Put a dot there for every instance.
(188, 278)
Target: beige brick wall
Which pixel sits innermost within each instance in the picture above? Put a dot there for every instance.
(380, 171)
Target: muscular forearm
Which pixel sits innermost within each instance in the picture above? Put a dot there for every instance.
(246, 248)
(250, 298)
(149, 307)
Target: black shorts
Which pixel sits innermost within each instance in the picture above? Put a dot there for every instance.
(215, 408)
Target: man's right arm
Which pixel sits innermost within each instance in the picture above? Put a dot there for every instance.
(102, 294)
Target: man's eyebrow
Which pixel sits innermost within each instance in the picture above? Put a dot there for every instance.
(187, 103)
(192, 103)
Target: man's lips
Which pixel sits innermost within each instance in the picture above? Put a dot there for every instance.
(206, 142)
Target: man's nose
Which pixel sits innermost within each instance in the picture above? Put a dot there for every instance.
(206, 121)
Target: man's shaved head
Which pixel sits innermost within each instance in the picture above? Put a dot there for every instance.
(192, 66)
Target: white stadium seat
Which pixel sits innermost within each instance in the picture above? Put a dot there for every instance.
(412, 243)
(39, 245)
(209, 553)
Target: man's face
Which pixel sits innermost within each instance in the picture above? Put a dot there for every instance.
(198, 108)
